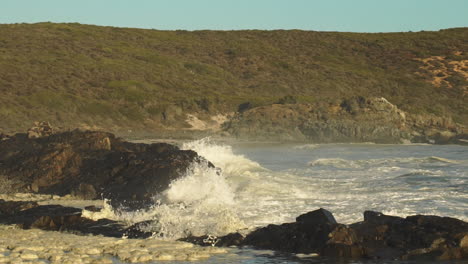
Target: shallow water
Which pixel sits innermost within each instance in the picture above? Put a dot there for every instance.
(274, 183)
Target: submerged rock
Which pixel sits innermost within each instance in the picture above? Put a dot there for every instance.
(92, 165)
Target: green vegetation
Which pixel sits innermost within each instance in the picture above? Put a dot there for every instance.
(133, 78)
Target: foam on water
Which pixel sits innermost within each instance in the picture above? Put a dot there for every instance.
(201, 202)
(244, 194)
(37, 246)
(355, 164)
(222, 156)
(240, 194)
(284, 183)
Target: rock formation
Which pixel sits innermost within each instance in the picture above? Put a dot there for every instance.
(357, 119)
(378, 237)
(92, 165)
(40, 129)
(27, 215)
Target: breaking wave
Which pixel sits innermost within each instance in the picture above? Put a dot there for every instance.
(240, 194)
(222, 156)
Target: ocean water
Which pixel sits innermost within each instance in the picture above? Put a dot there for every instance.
(263, 183)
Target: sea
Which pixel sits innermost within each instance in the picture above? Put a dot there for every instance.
(255, 184)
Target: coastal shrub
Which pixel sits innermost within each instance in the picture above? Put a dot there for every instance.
(105, 69)
(132, 112)
(288, 99)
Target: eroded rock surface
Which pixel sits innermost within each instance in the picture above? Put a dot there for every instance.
(378, 237)
(30, 215)
(356, 119)
(92, 165)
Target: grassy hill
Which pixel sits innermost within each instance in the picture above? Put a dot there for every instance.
(72, 74)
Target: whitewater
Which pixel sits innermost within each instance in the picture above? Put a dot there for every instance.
(256, 184)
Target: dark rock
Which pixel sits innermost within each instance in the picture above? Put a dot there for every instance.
(338, 250)
(67, 219)
(308, 235)
(233, 239)
(13, 207)
(93, 208)
(93, 165)
(415, 237)
(378, 237)
(139, 230)
(317, 217)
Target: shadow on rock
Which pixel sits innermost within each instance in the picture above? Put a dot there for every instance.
(378, 237)
(92, 165)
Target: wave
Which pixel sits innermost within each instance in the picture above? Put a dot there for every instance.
(419, 173)
(201, 202)
(356, 164)
(222, 156)
(306, 146)
(241, 194)
(209, 201)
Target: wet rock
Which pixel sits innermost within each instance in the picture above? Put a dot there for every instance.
(67, 219)
(414, 237)
(140, 230)
(13, 207)
(378, 237)
(232, 239)
(93, 165)
(308, 235)
(317, 217)
(93, 208)
(372, 217)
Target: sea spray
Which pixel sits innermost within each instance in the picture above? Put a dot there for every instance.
(346, 179)
(222, 156)
(201, 202)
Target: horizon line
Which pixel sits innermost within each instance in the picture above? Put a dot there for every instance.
(227, 30)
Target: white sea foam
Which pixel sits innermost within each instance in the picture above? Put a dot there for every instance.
(37, 246)
(202, 184)
(350, 164)
(199, 203)
(222, 156)
(306, 146)
(244, 194)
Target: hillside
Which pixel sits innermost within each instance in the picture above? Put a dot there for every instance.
(120, 78)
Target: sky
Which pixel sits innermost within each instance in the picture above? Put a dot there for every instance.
(319, 15)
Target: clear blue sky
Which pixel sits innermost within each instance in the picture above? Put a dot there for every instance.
(320, 15)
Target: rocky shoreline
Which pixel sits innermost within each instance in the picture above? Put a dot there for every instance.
(352, 120)
(378, 237)
(92, 165)
(97, 165)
